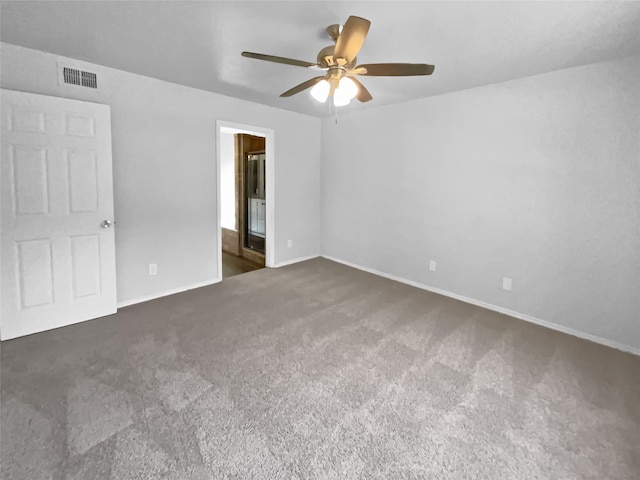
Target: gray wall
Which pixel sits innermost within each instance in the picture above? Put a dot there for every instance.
(535, 179)
(164, 154)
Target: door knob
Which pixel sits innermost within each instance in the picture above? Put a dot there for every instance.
(106, 224)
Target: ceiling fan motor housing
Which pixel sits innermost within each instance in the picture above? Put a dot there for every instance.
(326, 59)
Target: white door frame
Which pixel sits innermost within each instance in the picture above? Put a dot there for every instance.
(269, 135)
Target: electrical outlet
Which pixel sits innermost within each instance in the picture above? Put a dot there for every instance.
(432, 265)
(289, 243)
(153, 269)
(507, 284)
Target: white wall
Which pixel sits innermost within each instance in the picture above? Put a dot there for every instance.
(535, 179)
(227, 181)
(164, 170)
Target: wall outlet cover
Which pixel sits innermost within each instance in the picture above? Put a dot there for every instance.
(289, 243)
(507, 284)
(153, 269)
(432, 265)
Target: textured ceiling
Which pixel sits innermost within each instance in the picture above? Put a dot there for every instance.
(199, 43)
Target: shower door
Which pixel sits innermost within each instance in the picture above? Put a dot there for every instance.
(255, 207)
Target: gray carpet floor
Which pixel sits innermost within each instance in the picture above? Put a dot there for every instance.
(316, 370)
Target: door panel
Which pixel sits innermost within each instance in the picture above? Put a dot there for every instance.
(58, 264)
(83, 181)
(35, 273)
(85, 261)
(25, 119)
(30, 179)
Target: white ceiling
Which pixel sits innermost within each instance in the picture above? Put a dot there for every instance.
(199, 43)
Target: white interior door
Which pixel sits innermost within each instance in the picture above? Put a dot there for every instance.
(57, 257)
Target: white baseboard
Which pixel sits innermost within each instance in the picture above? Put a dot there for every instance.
(295, 260)
(495, 308)
(126, 303)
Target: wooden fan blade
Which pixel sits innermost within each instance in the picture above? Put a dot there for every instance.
(273, 58)
(351, 39)
(301, 87)
(363, 94)
(396, 69)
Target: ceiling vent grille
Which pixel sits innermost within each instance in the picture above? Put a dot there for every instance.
(74, 76)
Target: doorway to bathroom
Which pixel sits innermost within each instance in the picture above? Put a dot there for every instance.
(244, 197)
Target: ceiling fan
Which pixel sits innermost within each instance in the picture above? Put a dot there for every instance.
(339, 63)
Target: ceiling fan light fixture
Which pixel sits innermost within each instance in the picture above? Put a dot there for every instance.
(341, 101)
(345, 92)
(320, 91)
(347, 87)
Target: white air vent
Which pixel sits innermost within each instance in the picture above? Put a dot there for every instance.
(68, 75)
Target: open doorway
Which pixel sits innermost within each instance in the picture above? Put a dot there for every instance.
(245, 193)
